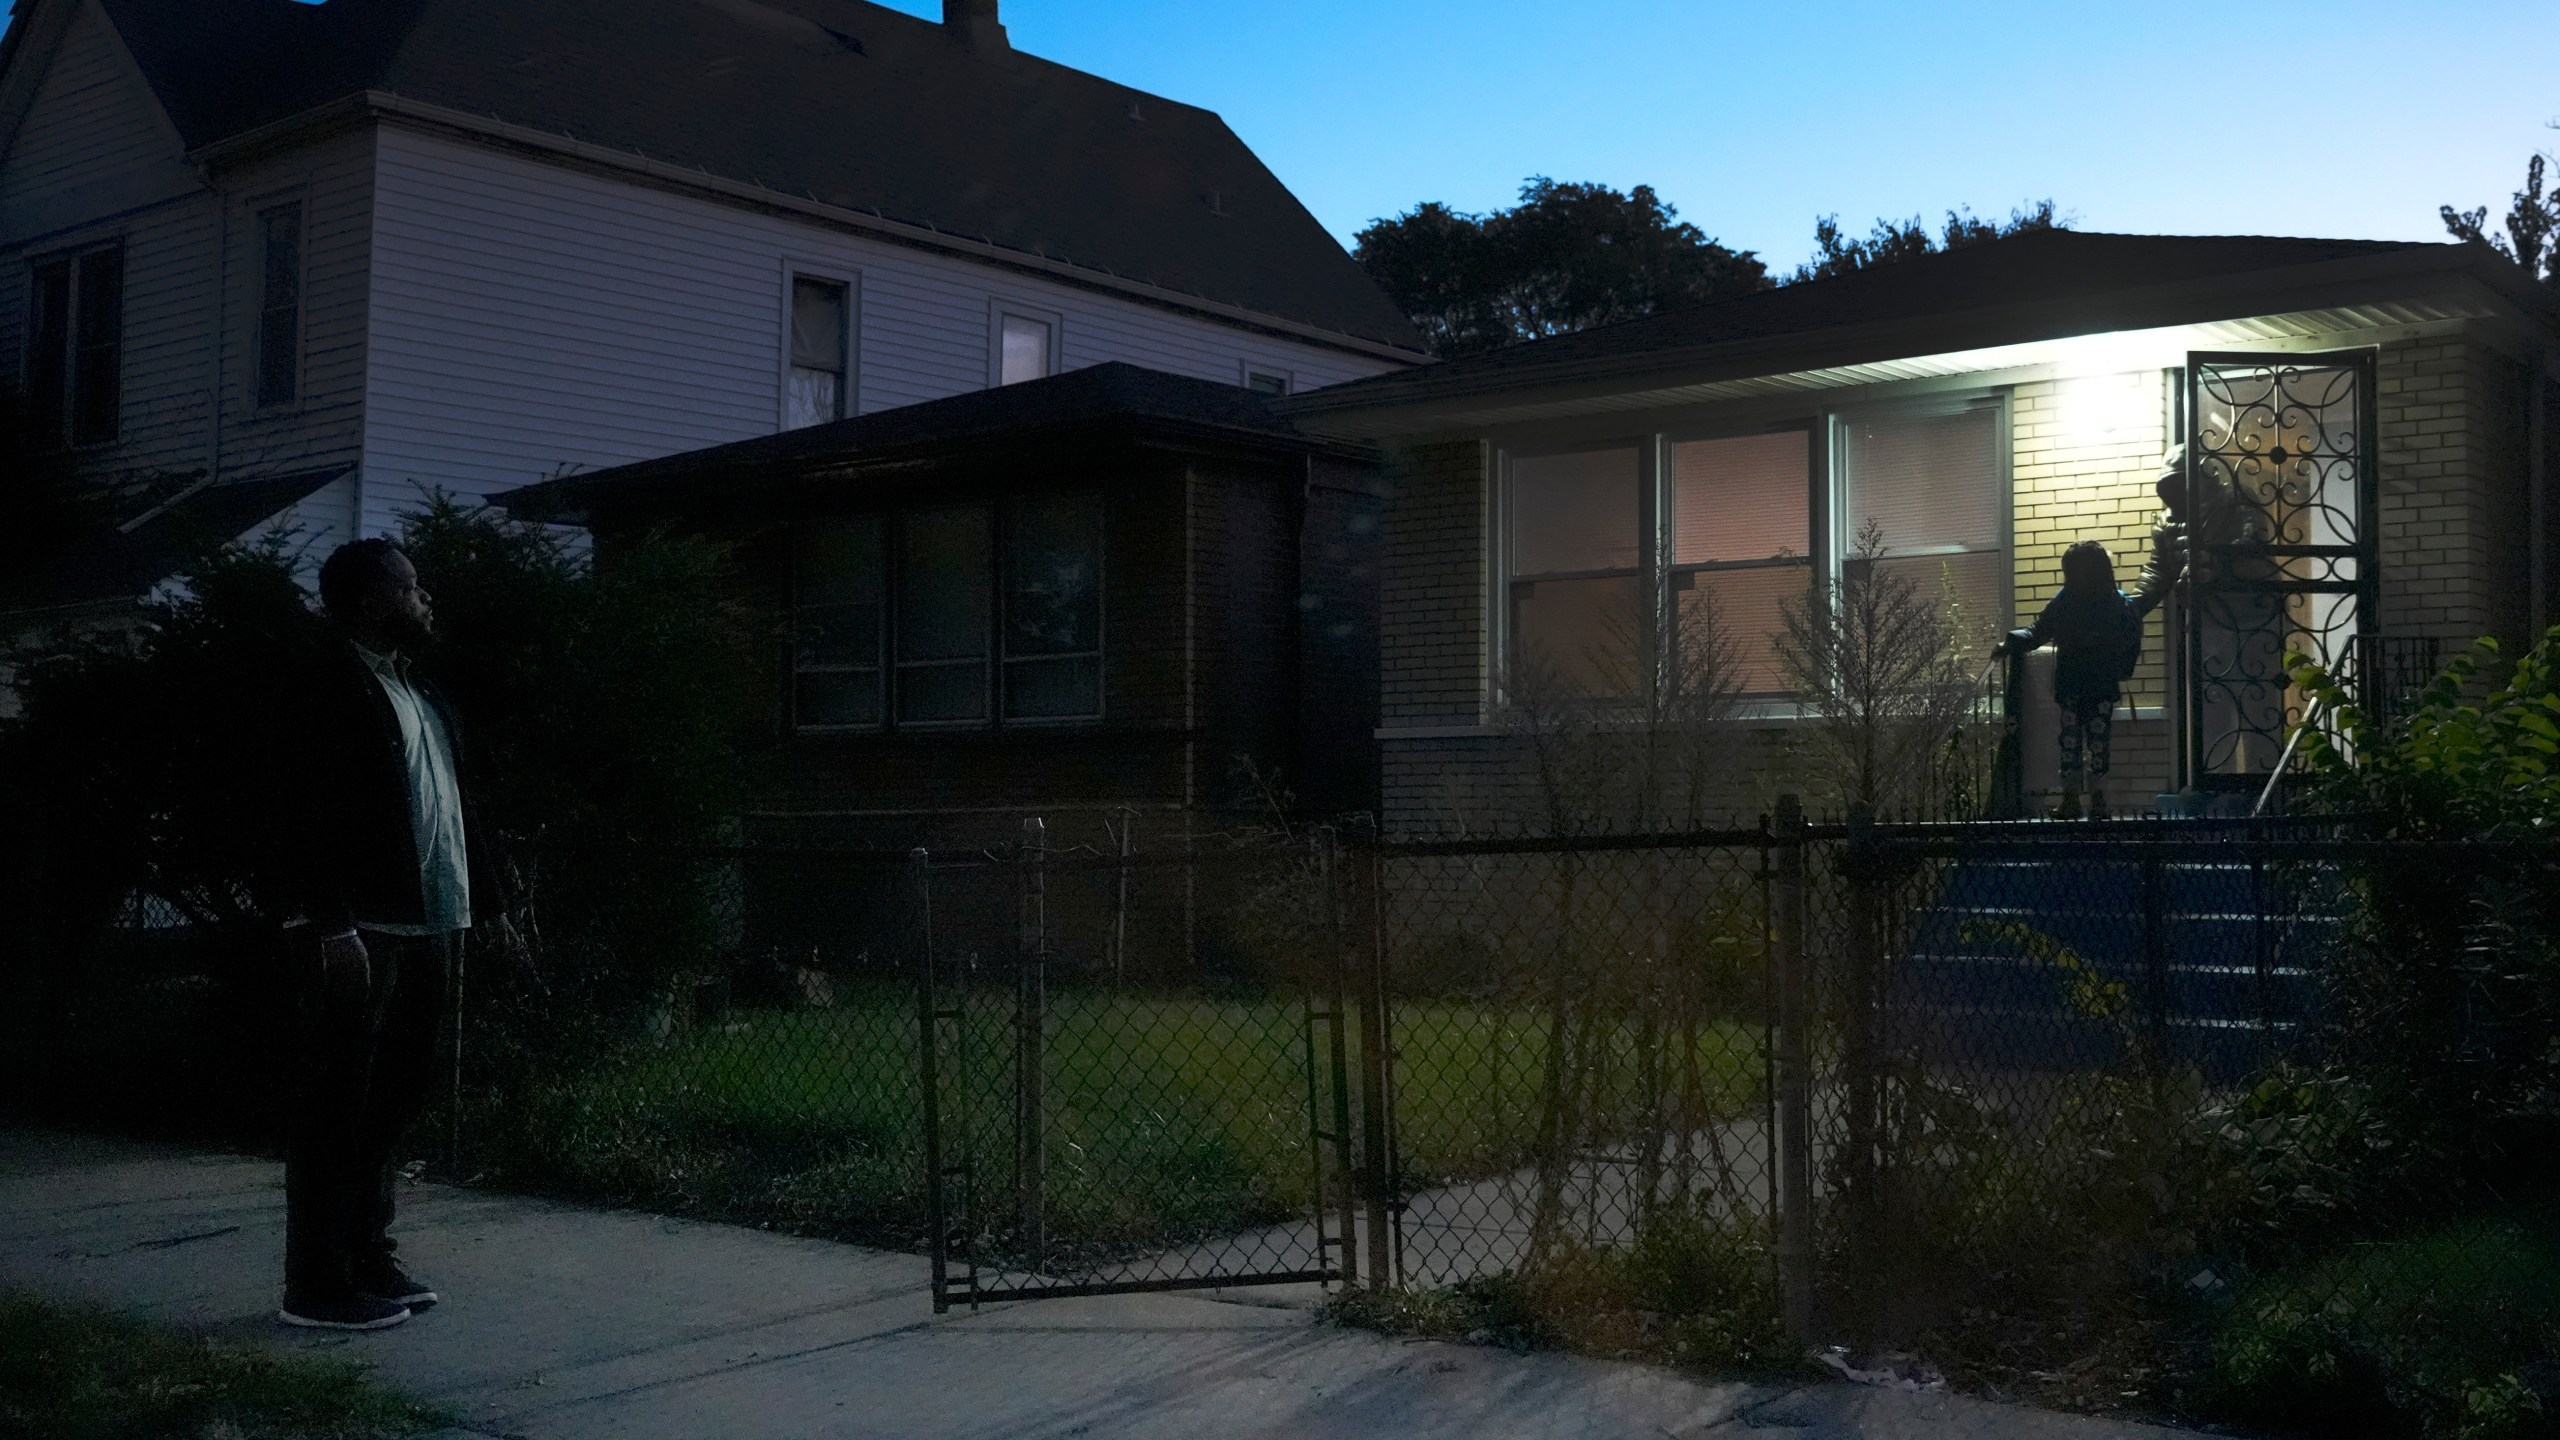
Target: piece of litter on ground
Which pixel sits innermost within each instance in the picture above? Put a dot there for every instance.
(1892, 1370)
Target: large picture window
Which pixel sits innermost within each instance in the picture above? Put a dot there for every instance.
(75, 338)
(1935, 483)
(1613, 554)
(950, 616)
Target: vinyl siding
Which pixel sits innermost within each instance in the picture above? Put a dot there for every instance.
(93, 143)
(530, 318)
(95, 162)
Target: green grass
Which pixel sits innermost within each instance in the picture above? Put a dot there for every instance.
(76, 1373)
(1171, 1118)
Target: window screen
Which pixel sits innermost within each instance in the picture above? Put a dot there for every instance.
(1740, 528)
(945, 593)
(280, 305)
(1575, 604)
(1932, 483)
(1053, 608)
(820, 337)
(1026, 349)
(837, 631)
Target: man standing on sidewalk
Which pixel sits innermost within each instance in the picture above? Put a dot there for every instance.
(376, 861)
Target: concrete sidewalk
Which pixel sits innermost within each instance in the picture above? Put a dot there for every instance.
(563, 1323)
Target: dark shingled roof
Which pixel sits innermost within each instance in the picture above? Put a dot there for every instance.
(839, 101)
(1115, 397)
(2057, 282)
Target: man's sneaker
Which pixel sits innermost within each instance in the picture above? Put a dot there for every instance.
(354, 1312)
(388, 1281)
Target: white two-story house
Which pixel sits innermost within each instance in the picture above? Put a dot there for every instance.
(358, 250)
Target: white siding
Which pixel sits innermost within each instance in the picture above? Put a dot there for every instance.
(96, 161)
(529, 318)
(93, 142)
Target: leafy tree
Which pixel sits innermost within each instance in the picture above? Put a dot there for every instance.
(1567, 257)
(2532, 237)
(49, 506)
(1836, 253)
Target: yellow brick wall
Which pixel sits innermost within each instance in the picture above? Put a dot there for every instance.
(2083, 455)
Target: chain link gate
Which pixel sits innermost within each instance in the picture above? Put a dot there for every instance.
(1166, 1108)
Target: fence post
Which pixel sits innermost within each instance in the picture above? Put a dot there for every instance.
(929, 1080)
(1338, 1059)
(1376, 1098)
(1031, 1027)
(2155, 963)
(1794, 1139)
(1862, 1173)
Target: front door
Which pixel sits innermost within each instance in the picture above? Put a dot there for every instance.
(2281, 554)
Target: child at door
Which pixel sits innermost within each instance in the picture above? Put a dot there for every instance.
(2098, 636)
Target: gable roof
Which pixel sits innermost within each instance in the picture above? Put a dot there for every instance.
(1034, 415)
(2035, 286)
(842, 102)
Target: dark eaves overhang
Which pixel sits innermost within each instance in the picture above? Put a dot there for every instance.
(2430, 281)
(379, 105)
(126, 562)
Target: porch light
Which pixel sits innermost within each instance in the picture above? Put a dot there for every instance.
(2102, 409)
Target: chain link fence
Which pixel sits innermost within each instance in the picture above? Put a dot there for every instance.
(2250, 1120)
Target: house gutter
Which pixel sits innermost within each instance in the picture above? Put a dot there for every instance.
(384, 105)
(2270, 292)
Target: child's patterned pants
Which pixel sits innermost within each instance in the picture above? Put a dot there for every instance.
(2088, 725)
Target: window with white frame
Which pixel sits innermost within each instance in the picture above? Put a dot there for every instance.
(279, 346)
(1737, 542)
(950, 616)
(75, 338)
(1934, 481)
(1026, 347)
(821, 348)
(1575, 571)
(1613, 553)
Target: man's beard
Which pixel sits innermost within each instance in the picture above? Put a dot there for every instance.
(408, 634)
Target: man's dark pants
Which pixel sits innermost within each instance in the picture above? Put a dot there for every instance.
(367, 1064)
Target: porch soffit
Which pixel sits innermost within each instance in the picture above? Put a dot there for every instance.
(2332, 327)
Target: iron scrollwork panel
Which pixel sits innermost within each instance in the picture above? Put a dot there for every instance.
(2281, 555)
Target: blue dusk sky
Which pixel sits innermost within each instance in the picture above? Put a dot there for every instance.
(2344, 118)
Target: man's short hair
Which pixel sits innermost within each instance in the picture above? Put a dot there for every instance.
(353, 571)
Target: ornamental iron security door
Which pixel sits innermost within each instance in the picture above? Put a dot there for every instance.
(2281, 549)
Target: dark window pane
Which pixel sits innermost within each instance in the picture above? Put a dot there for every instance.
(942, 692)
(96, 378)
(1577, 636)
(1573, 512)
(945, 594)
(49, 352)
(943, 586)
(280, 306)
(838, 697)
(1069, 687)
(1262, 383)
(1053, 577)
(837, 562)
(818, 325)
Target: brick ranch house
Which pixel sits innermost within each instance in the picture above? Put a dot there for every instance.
(2383, 405)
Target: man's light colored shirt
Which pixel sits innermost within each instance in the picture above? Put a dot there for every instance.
(435, 805)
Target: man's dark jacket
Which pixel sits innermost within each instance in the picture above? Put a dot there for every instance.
(347, 851)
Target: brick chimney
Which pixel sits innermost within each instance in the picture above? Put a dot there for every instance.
(975, 22)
